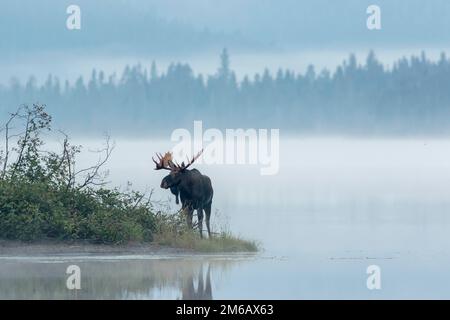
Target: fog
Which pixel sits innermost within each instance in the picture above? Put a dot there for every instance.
(196, 25)
(335, 207)
(331, 194)
(364, 170)
(69, 66)
(273, 34)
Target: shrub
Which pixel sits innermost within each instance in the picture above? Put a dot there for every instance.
(42, 196)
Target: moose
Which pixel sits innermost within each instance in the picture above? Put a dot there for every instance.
(195, 189)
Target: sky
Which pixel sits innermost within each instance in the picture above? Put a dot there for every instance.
(193, 25)
(258, 33)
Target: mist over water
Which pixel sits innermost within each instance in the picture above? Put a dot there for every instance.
(343, 186)
(335, 207)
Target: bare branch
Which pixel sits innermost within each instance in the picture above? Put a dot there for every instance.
(93, 176)
(7, 129)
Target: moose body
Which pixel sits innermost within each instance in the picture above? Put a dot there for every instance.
(195, 189)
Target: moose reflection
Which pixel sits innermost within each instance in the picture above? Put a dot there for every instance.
(118, 278)
(195, 189)
(204, 289)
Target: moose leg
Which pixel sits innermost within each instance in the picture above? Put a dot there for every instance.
(208, 215)
(189, 217)
(189, 213)
(200, 221)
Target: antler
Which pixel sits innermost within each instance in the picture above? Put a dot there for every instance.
(183, 166)
(164, 162)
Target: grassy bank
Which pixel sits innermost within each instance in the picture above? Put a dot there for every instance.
(222, 242)
(45, 196)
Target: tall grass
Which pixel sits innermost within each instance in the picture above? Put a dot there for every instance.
(224, 242)
(172, 231)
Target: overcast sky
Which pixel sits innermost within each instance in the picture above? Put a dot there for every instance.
(258, 33)
(193, 25)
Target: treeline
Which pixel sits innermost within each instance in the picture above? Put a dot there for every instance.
(411, 97)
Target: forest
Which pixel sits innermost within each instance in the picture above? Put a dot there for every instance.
(408, 98)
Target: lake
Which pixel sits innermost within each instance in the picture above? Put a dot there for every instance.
(336, 207)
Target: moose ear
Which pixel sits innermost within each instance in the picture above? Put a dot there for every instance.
(182, 164)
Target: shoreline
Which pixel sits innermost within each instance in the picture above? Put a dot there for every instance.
(53, 247)
(58, 247)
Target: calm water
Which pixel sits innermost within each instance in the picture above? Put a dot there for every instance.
(335, 207)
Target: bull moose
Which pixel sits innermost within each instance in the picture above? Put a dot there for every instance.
(195, 189)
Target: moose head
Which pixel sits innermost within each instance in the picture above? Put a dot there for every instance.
(166, 162)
